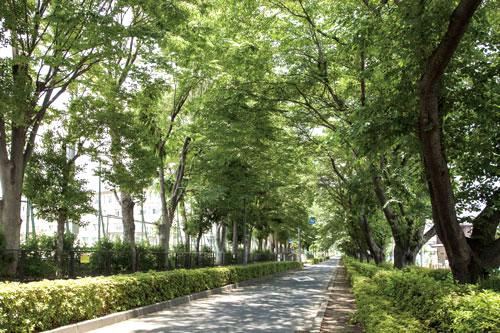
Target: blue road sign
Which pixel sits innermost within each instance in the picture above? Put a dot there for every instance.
(312, 220)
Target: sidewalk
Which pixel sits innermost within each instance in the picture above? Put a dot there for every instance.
(341, 306)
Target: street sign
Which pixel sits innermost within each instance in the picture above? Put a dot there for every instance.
(312, 220)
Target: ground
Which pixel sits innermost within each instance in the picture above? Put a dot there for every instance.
(283, 304)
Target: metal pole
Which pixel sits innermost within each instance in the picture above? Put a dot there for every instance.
(99, 216)
(32, 221)
(144, 233)
(300, 247)
(27, 219)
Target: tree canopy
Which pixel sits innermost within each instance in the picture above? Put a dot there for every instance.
(379, 117)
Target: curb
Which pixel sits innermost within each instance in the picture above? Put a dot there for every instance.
(93, 324)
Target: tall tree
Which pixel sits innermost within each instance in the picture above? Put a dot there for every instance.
(52, 45)
(468, 258)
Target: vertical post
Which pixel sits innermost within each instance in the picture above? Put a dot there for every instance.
(143, 227)
(99, 216)
(33, 230)
(27, 218)
(300, 246)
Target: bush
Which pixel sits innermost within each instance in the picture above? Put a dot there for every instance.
(419, 300)
(492, 282)
(265, 255)
(39, 254)
(318, 260)
(44, 305)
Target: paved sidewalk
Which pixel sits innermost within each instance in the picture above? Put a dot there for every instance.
(341, 306)
(283, 304)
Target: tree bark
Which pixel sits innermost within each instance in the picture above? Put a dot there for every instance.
(169, 207)
(464, 263)
(61, 222)
(127, 204)
(220, 241)
(11, 177)
(376, 251)
(198, 241)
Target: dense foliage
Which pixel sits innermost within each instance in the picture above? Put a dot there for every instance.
(44, 305)
(420, 300)
(379, 117)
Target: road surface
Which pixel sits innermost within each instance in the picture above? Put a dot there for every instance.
(282, 304)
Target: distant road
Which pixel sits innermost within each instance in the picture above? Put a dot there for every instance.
(282, 304)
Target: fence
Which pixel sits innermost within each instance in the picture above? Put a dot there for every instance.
(42, 264)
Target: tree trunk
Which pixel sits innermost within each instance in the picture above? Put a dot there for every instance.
(221, 243)
(235, 241)
(260, 244)
(376, 251)
(463, 262)
(403, 256)
(187, 236)
(164, 227)
(61, 222)
(12, 181)
(127, 204)
(168, 208)
(198, 241)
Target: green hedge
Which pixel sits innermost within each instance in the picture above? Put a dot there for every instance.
(37, 306)
(420, 300)
(319, 260)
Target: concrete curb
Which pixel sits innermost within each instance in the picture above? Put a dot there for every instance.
(93, 324)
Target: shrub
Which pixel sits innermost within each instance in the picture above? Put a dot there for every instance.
(44, 305)
(265, 255)
(476, 312)
(419, 300)
(492, 282)
(318, 260)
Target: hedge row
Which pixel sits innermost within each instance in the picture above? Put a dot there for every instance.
(319, 259)
(420, 300)
(37, 306)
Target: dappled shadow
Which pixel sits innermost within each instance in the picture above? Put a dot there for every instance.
(282, 304)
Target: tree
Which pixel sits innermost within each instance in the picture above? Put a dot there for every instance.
(52, 44)
(468, 258)
(53, 188)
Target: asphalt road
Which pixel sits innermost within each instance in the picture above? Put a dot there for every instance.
(282, 304)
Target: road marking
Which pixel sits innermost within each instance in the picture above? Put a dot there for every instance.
(303, 279)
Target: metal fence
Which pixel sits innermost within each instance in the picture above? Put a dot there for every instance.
(42, 264)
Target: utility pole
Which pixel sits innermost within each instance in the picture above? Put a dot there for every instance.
(99, 216)
(300, 245)
(144, 231)
(27, 218)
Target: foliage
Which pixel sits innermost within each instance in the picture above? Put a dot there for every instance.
(39, 254)
(44, 305)
(317, 260)
(52, 186)
(419, 300)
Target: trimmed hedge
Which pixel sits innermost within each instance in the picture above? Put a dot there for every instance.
(420, 300)
(319, 260)
(37, 306)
